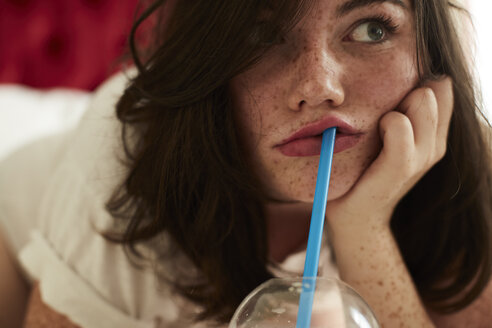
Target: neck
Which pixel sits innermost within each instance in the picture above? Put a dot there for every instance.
(287, 228)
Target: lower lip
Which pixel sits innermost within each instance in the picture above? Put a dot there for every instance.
(312, 146)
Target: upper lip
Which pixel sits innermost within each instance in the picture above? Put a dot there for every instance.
(317, 128)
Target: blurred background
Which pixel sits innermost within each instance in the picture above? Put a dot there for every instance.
(62, 43)
(480, 13)
(54, 52)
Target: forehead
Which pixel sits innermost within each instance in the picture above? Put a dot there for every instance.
(345, 6)
(320, 11)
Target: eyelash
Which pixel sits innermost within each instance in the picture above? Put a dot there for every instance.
(386, 22)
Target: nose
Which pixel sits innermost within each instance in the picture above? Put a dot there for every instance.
(317, 80)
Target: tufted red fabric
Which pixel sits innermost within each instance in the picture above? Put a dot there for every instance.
(69, 43)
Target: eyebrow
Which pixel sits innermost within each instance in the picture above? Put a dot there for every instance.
(350, 5)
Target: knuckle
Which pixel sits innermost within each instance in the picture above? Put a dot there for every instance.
(420, 102)
(447, 81)
(396, 120)
(428, 97)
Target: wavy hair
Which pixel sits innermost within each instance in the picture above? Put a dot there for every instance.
(188, 175)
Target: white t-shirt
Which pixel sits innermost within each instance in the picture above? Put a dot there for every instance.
(52, 207)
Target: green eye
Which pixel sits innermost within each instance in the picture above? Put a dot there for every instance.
(368, 32)
(374, 31)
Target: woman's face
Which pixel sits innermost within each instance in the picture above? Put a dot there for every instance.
(345, 64)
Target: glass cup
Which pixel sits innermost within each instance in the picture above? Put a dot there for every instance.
(274, 304)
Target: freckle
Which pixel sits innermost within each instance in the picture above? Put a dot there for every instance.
(362, 248)
(380, 283)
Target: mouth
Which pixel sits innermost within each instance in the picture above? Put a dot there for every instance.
(307, 140)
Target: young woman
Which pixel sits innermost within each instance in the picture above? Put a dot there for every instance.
(210, 186)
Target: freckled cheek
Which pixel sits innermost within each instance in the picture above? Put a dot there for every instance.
(262, 109)
(383, 90)
(294, 179)
(257, 117)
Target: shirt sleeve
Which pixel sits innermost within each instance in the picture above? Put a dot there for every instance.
(33, 127)
(23, 178)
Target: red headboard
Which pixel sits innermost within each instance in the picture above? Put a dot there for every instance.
(68, 43)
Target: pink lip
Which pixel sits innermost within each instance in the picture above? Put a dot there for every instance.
(307, 141)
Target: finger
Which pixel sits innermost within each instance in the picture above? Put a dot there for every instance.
(394, 165)
(420, 106)
(443, 91)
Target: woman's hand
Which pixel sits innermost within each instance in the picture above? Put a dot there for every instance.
(414, 139)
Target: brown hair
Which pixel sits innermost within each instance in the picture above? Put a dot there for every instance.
(444, 224)
(188, 175)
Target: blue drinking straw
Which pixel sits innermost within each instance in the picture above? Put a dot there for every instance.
(316, 229)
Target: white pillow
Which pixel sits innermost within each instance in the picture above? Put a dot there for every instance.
(27, 114)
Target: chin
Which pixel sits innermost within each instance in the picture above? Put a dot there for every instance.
(301, 187)
(307, 196)
(337, 193)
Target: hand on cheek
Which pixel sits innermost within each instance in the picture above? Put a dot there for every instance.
(414, 138)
